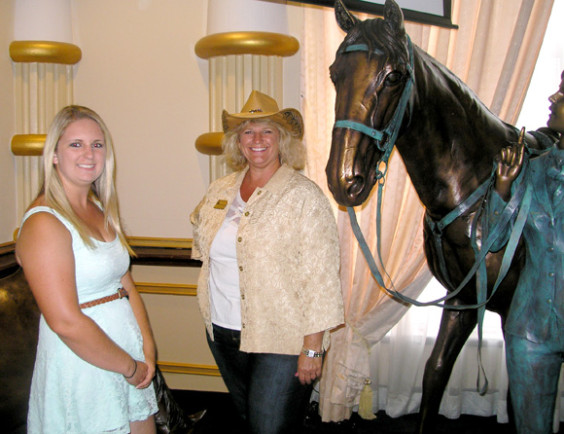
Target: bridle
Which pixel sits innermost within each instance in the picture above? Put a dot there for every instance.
(385, 139)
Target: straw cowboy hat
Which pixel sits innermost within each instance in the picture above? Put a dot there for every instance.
(260, 106)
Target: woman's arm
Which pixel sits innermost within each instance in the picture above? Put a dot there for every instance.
(318, 265)
(44, 250)
(149, 346)
(320, 296)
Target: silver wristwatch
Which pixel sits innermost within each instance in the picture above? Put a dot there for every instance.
(311, 353)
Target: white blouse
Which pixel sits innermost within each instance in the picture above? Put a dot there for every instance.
(224, 274)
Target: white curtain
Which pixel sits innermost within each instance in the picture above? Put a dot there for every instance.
(494, 52)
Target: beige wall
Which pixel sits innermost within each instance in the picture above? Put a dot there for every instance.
(140, 73)
(7, 189)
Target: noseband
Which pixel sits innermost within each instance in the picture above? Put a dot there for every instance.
(385, 139)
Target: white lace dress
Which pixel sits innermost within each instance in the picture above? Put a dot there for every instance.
(68, 394)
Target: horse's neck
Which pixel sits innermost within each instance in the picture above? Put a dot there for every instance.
(450, 142)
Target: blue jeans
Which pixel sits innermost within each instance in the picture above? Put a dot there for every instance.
(266, 394)
(533, 370)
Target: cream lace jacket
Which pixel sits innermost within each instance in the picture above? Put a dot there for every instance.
(288, 257)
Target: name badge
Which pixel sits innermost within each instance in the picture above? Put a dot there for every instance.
(221, 204)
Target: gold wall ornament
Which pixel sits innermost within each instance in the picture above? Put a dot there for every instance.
(258, 43)
(43, 73)
(169, 243)
(45, 52)
(28, 144)
(188, 368)
(210, 143)
(166, 288)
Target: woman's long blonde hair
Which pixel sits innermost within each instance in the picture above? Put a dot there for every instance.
(292, 149)
(103, 189)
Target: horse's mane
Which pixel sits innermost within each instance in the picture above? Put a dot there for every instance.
(378, 36)
(433, 77)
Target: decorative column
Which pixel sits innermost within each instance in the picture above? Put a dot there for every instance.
(241, 60)
(43, 83)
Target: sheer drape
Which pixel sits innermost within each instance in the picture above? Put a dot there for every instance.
(494, 52)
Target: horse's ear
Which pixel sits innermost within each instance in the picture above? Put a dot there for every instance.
(394, 17)
(345, 19)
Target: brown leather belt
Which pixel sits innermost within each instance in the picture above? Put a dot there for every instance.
(121, 293)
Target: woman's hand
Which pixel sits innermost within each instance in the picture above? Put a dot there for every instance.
(138, 375)
(509, 166)
(150, 373)
(309, 368)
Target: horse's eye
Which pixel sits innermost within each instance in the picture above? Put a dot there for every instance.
(393, 78)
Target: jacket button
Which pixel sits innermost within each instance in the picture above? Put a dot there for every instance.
(247, 214)
(240, 239)
(240, 268)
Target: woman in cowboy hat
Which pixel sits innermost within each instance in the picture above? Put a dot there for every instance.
(269, 285)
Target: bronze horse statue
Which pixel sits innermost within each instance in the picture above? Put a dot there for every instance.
(448, 141)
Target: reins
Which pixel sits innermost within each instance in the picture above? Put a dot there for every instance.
(385, 141)
(519, 203)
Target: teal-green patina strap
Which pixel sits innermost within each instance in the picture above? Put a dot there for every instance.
(520, 202)
(437, 228)
(511, 247)
(359, 47)
(465, 206)
(509, 211)
(364, 129)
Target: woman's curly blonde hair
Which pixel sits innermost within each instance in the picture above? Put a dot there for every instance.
(292, 149)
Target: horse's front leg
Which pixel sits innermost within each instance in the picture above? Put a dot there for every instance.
(454, 330)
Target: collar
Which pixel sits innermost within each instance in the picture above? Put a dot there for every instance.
(556, 168)
(279, 180)
(275, 184)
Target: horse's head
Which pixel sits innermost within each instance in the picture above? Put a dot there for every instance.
(370, 72)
